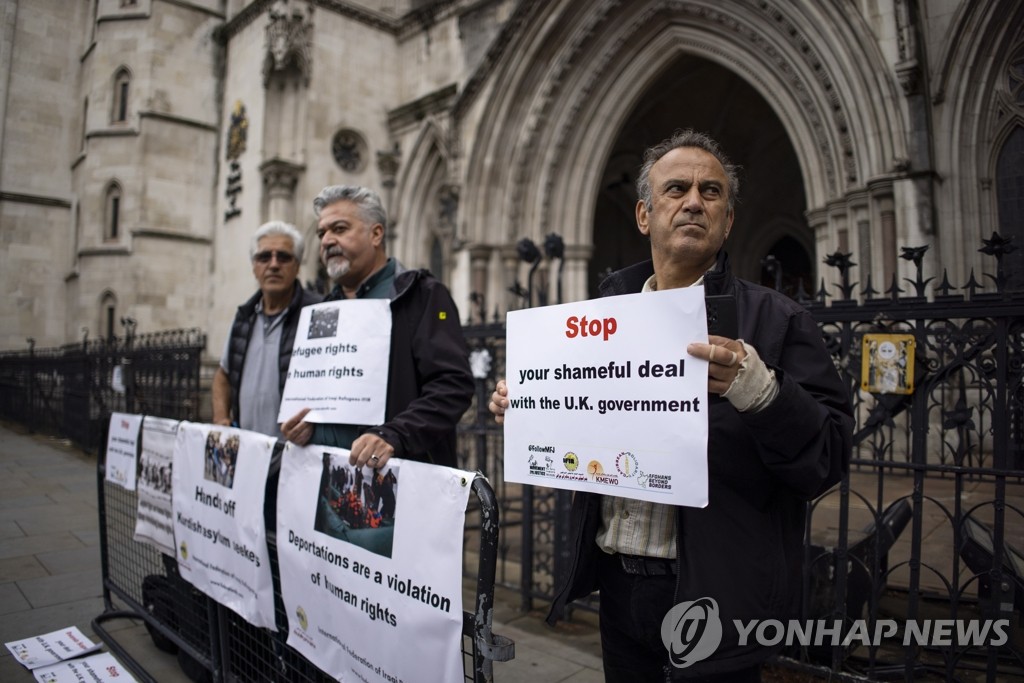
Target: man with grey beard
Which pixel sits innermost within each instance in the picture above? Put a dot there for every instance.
(430, 384)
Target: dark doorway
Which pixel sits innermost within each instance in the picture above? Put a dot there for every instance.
(696, 93)
(787, 267)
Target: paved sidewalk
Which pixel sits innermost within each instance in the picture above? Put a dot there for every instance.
(50, 574)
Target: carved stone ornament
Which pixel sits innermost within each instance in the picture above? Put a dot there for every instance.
(388, 163)
(289, 38)
(909, 74)
(448, 199)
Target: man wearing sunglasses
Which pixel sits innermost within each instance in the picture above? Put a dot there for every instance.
(248, 384)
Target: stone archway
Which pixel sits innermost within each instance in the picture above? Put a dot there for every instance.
(557, 122)
(692, 92)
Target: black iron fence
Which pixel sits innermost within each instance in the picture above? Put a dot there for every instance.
(927, 528)
(69, 390)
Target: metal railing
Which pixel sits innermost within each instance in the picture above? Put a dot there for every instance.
(67, 391)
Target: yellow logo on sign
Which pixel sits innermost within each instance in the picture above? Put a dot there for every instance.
(571, 462)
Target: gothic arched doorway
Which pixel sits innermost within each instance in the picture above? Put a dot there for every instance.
(696, 93)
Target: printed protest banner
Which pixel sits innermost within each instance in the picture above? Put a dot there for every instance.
(101, 668)
(604, 398)
(122, 450)
(371, 565)
(220, 478)
(339, 366)
(153, 520)
(50, 648)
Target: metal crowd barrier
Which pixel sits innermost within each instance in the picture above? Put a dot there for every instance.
(215, 645)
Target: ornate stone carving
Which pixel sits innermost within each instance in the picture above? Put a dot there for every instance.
(448, 199)
(908, 72)
(280, 177)
(600, 13)
(388, 163)
(289, 38)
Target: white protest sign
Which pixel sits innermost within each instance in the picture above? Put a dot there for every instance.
(101, 668)
(371, 565)
(122, 447)
(220, 477)
(51, 647)
(153, 519)
(604, 397)
(339, 366)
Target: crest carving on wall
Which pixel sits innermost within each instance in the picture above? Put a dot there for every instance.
(289, 39)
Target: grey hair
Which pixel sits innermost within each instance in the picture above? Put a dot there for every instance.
(685, 138)
(368, 201)
(277, 228)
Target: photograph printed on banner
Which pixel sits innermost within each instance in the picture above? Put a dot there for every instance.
(323, 322)
(356, 507)
(221, 459)
(156, 475)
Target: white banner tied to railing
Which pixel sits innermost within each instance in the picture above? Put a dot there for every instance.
(371, 565)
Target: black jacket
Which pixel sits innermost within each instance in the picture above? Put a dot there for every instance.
(241, 332)
(430, 384)
(745, 548)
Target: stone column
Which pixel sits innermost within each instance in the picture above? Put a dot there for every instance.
(818, 220)
(574, 273)
(887, 217)
(510, 261)
(388, 163)
(279, 180)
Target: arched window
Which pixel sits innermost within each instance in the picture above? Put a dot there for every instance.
(108, 315)
(112, 212)
(122, 88)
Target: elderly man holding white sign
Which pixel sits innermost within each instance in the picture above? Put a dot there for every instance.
(428, 381)
(779, 420)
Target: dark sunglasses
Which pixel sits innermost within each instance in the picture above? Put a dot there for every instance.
(283, 257)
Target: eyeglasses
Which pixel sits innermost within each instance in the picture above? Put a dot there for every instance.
(283, 257)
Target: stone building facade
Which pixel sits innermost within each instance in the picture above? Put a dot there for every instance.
(144, 140)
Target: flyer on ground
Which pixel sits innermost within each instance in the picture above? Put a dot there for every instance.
(153, 483)
(122, 449)
(371, 565)
(339, 366)
(605, 398)
(220, 480)
(101, 668)
(50, 648)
